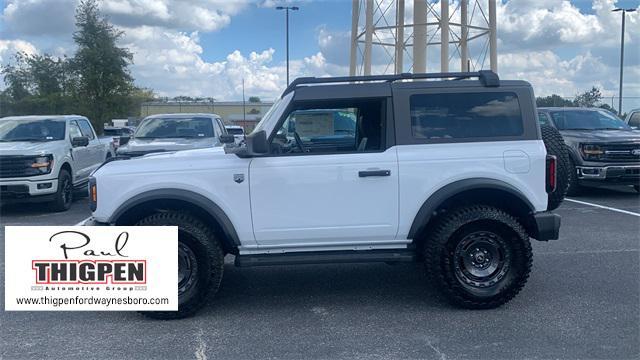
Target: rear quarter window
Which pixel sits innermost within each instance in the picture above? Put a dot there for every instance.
(465, 115)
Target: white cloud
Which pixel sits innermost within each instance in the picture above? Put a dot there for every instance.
(8, 48)
(55, 17)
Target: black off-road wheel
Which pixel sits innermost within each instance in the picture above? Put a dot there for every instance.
(574, 187)
(554, 143)
(479, 257)
(200, 262)
(64, 196)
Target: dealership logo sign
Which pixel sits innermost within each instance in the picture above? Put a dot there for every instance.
(91, 268)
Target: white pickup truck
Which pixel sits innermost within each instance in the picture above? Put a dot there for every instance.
(44, 158)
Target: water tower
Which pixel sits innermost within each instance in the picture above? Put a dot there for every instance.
(394, 38)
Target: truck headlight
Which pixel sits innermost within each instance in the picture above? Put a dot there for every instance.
(43, 164)
(591, 152)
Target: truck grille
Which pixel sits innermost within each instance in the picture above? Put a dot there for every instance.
(17, 166)
(621, 152)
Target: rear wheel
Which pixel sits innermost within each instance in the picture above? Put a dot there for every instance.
(64, 195)
(200, 262)
(479, 257)
(554, 143)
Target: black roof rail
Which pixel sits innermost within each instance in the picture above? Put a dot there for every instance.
(487, 77)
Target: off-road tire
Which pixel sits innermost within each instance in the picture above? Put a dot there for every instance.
(200, 239)
(441, 261)
(64, 195)
(555, 145)
(574, 187)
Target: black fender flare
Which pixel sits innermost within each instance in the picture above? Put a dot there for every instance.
(183, 195)
(436, 199)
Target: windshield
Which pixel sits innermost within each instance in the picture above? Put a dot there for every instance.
(196, 127)
(116, 132)
(235, 131)
(32, 130)
(270, 119)
(587, 120)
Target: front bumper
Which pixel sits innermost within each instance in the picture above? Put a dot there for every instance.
(27, 190)
(619, 174)
(546, 226)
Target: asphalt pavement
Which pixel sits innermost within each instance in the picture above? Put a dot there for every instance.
(582, 301)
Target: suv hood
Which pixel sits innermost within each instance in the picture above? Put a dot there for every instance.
(171, 162)
(28, 147)
(602, 135)
(172, 144)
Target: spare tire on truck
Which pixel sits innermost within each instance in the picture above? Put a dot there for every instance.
(554, 143)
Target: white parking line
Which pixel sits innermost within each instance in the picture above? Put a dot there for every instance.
(81, 223)
(604, 207)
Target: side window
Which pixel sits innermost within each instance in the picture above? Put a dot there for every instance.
(465, 115)
(543, 119)
(634, 120)
(74, 130)
(86, 128)
(335, 127)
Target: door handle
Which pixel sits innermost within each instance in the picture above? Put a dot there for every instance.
(367, 173)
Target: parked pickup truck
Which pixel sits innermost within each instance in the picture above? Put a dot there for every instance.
(603, 149)
(172, 132)
(43, 158)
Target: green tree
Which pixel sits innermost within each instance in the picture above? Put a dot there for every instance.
(103, 67)
(553, 101)
(589, 98)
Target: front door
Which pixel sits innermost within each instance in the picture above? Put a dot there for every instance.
(81, 154)
(329, 180)
(95, 148)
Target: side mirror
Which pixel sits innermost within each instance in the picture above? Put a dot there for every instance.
(80, 141)
(227, 139)
(257, 143)
(124, 139)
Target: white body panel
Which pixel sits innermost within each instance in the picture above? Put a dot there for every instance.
(311, 200)
(424, 169)
(207, 172)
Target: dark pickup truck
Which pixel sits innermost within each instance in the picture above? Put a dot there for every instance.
(603, 149)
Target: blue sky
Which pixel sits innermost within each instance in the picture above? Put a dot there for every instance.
(206, 47)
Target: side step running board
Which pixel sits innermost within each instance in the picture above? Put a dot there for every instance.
(326, 257)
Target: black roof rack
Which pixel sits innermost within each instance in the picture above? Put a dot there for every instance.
(487, 77)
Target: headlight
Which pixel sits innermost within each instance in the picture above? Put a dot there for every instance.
(43, 164)
(591, 152)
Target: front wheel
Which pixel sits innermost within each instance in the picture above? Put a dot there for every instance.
(64, 196)
(574, 187)
(200, 262)
(479, 257)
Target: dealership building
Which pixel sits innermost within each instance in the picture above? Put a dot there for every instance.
(232, 112)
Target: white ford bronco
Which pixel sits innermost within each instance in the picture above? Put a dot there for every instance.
(392, 168)
(43, 158)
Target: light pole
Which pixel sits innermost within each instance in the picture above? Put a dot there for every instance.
(624, 12)
(287, 8)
